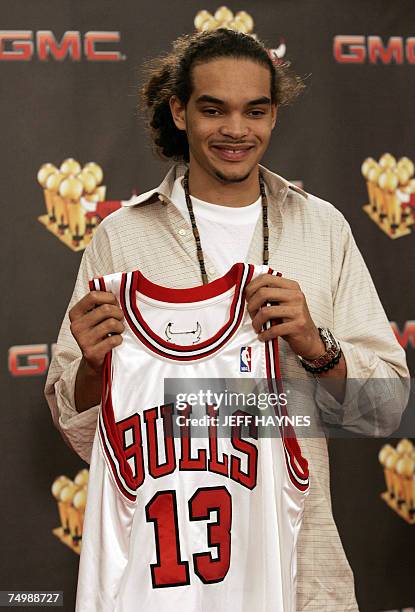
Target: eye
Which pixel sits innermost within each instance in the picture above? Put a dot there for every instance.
(210, 111)
(257, 113)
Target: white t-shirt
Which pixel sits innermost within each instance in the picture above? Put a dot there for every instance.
(225, 231)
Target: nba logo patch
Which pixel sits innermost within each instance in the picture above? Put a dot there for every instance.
(245, 359)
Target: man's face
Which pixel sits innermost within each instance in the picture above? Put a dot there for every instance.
(229, 117)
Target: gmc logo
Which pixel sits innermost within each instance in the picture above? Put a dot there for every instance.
(29, 359)
(407, 336)
(359, 49)
(23, 45)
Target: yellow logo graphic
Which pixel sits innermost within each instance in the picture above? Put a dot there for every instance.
(239, 22)
(391, 191)
(399, 468)
(71, 499)
(73, 196)
(224, 18)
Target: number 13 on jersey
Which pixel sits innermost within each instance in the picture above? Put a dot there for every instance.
(170, 569)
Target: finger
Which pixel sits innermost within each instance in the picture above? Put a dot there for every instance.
(269, 280)
(95, 355)
(90, 301)
(86, 323)
(264, 295)
(98, 314)
(281, 329)
(267, 313)
(95, 335)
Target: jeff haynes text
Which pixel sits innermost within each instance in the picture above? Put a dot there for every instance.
(238, 420)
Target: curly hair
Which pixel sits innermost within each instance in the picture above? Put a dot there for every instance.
(171, 74)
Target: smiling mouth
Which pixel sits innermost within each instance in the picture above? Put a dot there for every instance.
(234, 153)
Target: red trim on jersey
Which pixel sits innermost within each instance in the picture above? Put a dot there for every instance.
(99, 280)
(297, 465)
(231, 279)
(108, 430)
(106, 423)
(238, 277)
(290, 438)
(112, 429)
(189, 294)
(271, 271)
(113, 468)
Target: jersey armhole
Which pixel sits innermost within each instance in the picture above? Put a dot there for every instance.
(296, 464)
(111, 440)
(109, 435)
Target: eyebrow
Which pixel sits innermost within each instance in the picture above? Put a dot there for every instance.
(213, 100)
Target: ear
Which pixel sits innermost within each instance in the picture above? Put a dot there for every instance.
(274, 109)
(178, 111)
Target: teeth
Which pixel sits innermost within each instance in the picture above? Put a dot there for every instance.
(233, 151)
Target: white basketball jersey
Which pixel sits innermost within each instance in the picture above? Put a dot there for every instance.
(186, 523)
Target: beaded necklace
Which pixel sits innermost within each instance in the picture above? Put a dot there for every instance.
(196, 231)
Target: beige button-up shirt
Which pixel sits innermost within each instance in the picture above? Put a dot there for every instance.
(310, 242)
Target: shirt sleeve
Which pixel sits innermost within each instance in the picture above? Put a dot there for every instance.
(77, 429)
(378, 383)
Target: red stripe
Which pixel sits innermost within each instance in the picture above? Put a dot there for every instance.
(271, 271)
(113, 434)
(106, 407)
(199, 294)
(287, 432)
(189, 294)
(114, 470)
(123, 304)
(289, 437)
(101, 282)
(237, 274)
(112, 430)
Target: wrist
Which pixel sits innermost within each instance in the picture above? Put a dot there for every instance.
(328, 359)
(87, 392)
(318, 349)
(87, 371)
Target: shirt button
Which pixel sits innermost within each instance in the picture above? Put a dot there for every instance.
(182, 232)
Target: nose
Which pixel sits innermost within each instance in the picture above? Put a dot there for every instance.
(234, 126)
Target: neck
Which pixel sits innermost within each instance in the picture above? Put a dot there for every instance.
(212, 189)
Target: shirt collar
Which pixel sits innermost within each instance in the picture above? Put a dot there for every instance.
(277, 186)
(277, 183)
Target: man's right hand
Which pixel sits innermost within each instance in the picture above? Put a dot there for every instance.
(96, 325)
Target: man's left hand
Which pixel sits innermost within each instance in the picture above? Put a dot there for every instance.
(294, 323)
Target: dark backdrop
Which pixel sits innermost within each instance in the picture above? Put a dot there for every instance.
(55, 109)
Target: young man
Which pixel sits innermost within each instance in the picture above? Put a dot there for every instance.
(213, 105)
